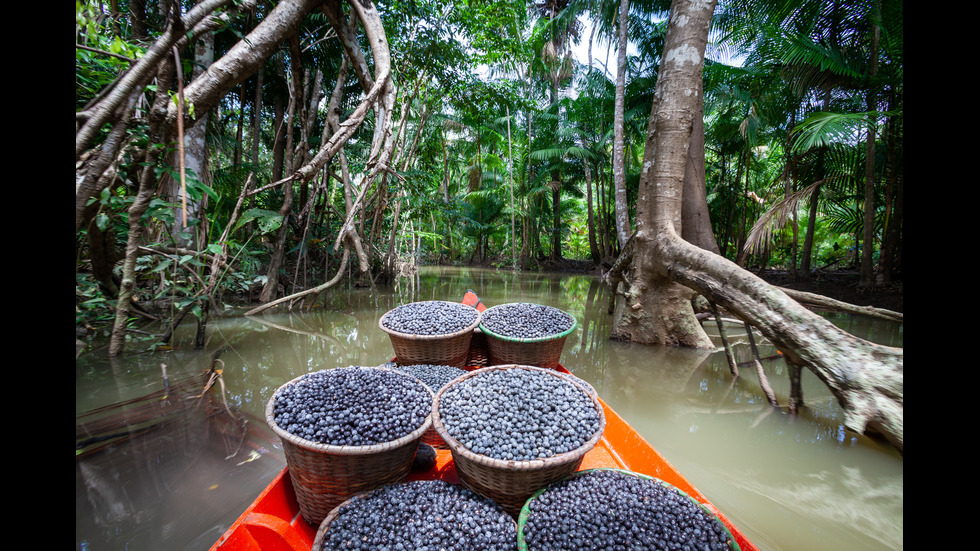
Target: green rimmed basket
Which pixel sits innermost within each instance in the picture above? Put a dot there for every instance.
(509, 482)
(449, 349)
(526, 508)
(325, 475)
(539, 352)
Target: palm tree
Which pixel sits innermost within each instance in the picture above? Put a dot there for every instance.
(839, 59)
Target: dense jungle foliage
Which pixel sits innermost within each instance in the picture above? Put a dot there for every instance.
(500, 134)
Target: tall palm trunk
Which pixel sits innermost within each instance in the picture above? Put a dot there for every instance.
(623, 230)
(868, 239)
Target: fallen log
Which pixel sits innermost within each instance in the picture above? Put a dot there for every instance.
(827, 302)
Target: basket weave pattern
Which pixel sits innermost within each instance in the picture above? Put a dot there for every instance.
(450, 349)
(325, 475)
(479, 352)
(510, 483)
(432, 438)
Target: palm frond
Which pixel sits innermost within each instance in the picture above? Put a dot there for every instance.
(581, 153)
(824, 129)
(803, 50)
(772, 220)
(548, 154)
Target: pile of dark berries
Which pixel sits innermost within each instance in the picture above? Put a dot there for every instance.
(421, 515)
(524, 320)
(352, 406)
(518, 414)
(432, 317)
(434, 376)
(606, 510)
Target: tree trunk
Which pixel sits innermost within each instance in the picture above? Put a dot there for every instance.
(865, 378)
(696, 224)
(240, 127)
(594, 249)
(623, 230)
(147, 188)
(556, 216)
(593, 244)
(379, 97)
(195, 161)
(271, 288)
(868, 239)
(659, 311)
(890, 268)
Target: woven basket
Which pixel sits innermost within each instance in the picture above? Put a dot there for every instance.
(449, 349)
(526, 508)
(321, 532)
(540, 351)
(324, 475)
(508, 482)
(479, 352)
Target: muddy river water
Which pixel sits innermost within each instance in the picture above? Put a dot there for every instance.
(800, 483)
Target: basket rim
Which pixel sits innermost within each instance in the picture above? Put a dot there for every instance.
(526, 509)
(411, 336)
(321, 530)
(335, 512)
(512, 464)
(544, 338)
(334, 449)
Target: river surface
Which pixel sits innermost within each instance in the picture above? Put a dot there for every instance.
(800, 483)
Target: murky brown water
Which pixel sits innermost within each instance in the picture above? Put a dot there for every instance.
(791, 484)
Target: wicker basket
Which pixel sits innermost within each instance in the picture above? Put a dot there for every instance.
(508, 482)
(479, 352)
(540, 351)
(449, 349)
(324, 475)
(321, 532)
(526, 508)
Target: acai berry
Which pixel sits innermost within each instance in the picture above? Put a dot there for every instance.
(434, 376)
(610, 510)
(431, 514)
(518, 414)
(432, 317)
(524, 320)
(352, 406)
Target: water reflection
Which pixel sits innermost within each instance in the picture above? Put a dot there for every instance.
(791, 483)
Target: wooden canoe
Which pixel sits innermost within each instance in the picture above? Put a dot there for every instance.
(273, 521)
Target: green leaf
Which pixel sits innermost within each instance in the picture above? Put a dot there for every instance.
(102, 221)
(162, 266)
(825, 128)
(267, 220)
